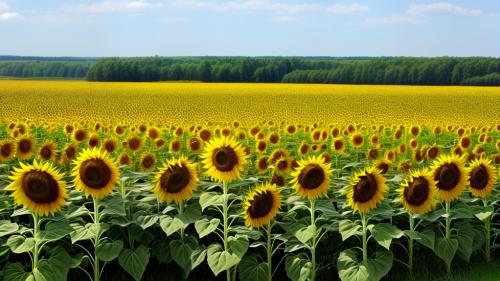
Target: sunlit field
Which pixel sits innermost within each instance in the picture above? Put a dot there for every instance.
(199, 181)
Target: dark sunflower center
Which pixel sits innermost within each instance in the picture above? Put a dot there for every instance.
(384, 167)
(417, 191)
(148, 161)
(432, 152)
(311, 177)
(94, 173)
(40, 187)
(447, 176)
(261, 205)
(479, 177)
(70, 152)
(5, 150)
(365, 189)
(175, 179)
(25, 146)
(224, 159)
(46, 153)
(282, 165)
(110, 146)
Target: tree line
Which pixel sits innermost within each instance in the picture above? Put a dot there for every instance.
(328, 70)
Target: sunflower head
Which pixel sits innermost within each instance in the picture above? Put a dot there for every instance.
(417, 192)
(450, 175)
(311, 179)
(94, 173)
(224, 159)
(25, 147)
(366, 190)
(7, 151)
(261, 205)
(482, 177)
(48, 151)
(147, 162)
(38, 187)
(176, 180)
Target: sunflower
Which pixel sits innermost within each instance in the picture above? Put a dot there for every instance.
(94, 173)
(482, 177)
(38, 187)
(451, 176)
(417, 192)
(357, 140)
(338, 144)
(261, 205)
(194, 144)
(48, 151)
(79, 135)
(7, 151)
(25, 147)
(134, 143)
(261, 165)
(110, 144)
(176, 180)
(224, 159)
(147, 162)
(383, 165)
(174, 146)
(283, 165)
(311, 179)
(366, 190)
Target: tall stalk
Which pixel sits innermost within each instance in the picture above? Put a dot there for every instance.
(269, 249)
(448, 220)
(313, 246)
(410, 244)
(226, 229)
(364, 222)
(36, 229)
(487, 226)
(97, 273)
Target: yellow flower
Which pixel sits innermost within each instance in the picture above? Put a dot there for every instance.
(482, 177)
(311, 179)
(366, 190)
(261, 205)
(176, 180)
(224, 159)
(417, 192)
(450, 175)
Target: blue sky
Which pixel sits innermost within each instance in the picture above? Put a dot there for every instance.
(249, 27)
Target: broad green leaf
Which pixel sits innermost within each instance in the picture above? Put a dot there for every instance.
(220, 260)
(383, 233)
(55, 230)
(298, 268)
(145, 221)
(461, 211)
(198, 256)
(160, 250)
(307, 233)
(56, 268)
(113, 207)
(171, 225)
(15, 272)
(484, 213)
(181, 253)
(427, 238)
(191, 214)
(19, 244)
(446, 249)
(81, 232)
(465, 237)
(204, 226)
(251, 270)
(7, 228)
(108, 251)
(134, 262)
(348, 228)
(351, 269)
(208, 199)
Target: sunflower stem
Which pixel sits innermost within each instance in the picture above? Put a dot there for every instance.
(487, 225)
(97, 273)
(410, 245)
(364, 222)
(448, 220)
(36, 229)
(225, 219)
(269, 253)
(181, 211)
(313, 246)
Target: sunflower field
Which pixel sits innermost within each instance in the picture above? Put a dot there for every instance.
(189, 181)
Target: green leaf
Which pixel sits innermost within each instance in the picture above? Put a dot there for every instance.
(205, 226)
(208, 199)
(427, 238)
(348, 228)
(113, 207)
(484, 213)
(146, 221)
(465, 237)
(351, 269)
(55, 230)
(298, 268)
(461, 211)
(220, 260)
(191, 214)
(383, 233)
(446, 249)
(56, 268)
(134, 262)
(251, 270)
(81, 233)
(161, 252)
(108, 251)
(7, 228)
(198, 256)
(19, 244)
(307, 233)
(15, 272)
(181, 253)
(171, 225)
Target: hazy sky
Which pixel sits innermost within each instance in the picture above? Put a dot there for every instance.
(249, 27)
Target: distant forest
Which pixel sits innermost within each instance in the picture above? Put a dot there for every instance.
(328, 70)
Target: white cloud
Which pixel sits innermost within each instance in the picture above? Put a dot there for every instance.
(3, 6)
(113, 6)
(251, 5)
(441, 8)
(8, 16)
(394, 19)
(352, 9)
